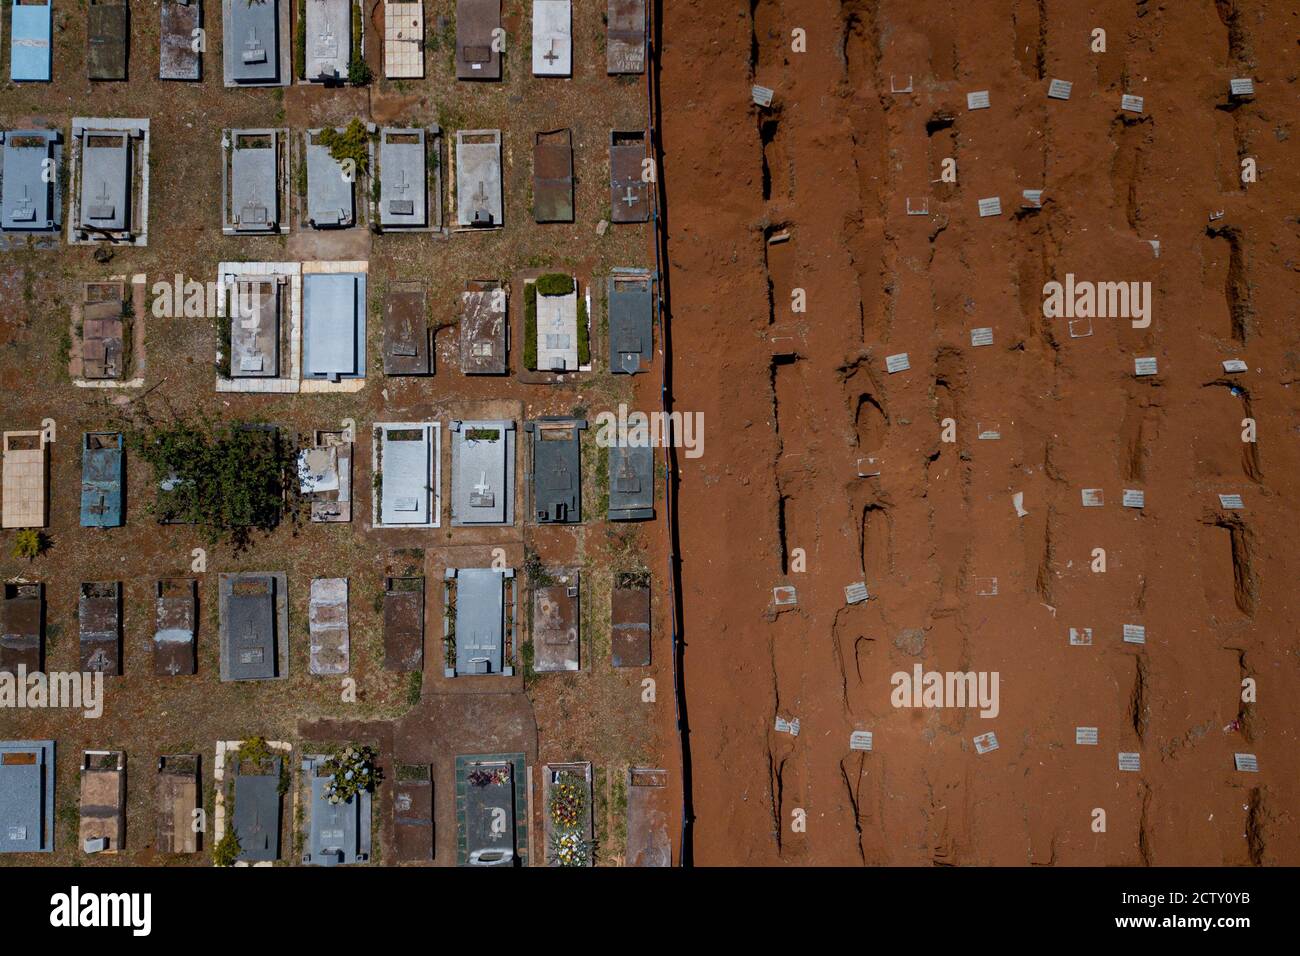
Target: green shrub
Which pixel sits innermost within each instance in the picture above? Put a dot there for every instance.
(352, 143)
(30, 543)
(300, 41)
(554, 283)
(584, 334)
(227, 850)
(530, 326)
(358, 71)
(223, 477)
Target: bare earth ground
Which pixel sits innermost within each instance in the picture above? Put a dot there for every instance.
(834, 163)
(596, 714)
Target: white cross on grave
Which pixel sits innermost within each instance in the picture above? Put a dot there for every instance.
(402, 186)
(631, 198)
(480, 196)
(482, 487)
(551, 56)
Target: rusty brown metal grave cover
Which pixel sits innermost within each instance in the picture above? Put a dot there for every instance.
(99, 618)
(413, 814)
(625, 38)
(177, 799)
(630, 622)
(176, 615)
(106, 40)
(553, 176)
(22, 638)
(556, 641)
(477, 56)
(629, 193)
(406, 330)
(404, 624)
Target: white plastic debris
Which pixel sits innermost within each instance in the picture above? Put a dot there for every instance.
(868, 467)
(1080, 328)
(897, 363)
(1018, 499)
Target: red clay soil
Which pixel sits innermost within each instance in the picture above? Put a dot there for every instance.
(834, 163)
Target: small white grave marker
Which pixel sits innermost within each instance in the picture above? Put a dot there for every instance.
(992, 206)
(1080, 328)
(1033, 198)
(1092, 497)
(1246, 763)
(1145, 366)
(868, 467)
(1059, 89)
(784, 594)
(1135, 634)
(897, 363)
(856, 593)
(1234, 365)
(1130, 761)
(790, 727)
(1131, 103)
(763, 96)
(990, 432)
(921, 207)
(1241, 86)
(986, 742)
(982, 336)
(1080, 637)
(1085, 736)
(1232, 502)
(860, 740)
(1134, 498)
(979, 100)
(986, 587)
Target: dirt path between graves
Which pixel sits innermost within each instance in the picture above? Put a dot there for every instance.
(813, 195)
